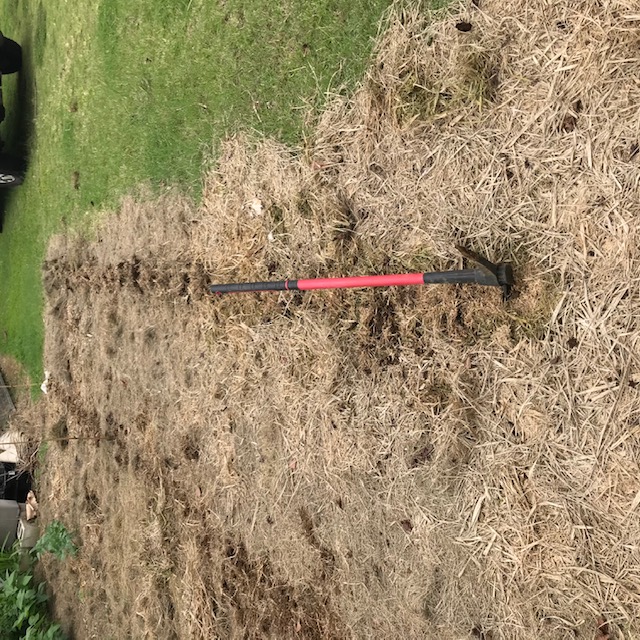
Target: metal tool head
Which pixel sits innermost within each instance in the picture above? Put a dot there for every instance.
(493, 275)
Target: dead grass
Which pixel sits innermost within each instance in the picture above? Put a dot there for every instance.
(401, 463)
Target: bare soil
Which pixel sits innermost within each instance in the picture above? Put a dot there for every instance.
(402, 463)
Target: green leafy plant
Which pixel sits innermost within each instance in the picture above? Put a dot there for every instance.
(56, 540)
(9, 561)
(23, 603)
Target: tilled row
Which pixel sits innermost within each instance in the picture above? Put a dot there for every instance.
(188, 280)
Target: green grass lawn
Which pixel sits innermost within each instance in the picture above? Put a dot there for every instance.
(118, 92)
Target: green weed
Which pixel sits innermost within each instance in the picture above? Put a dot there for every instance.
(57, 541)
(23, 603)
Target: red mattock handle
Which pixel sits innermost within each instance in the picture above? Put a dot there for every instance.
(396, 280)
(393, 280)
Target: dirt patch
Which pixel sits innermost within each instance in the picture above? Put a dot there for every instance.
(13, 372)
(399, 463)
(16, 381)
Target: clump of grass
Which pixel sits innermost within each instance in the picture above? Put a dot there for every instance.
(420, 99)
(479, 78)
(424, 94)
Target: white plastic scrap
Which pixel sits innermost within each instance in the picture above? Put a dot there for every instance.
(44, 387)
(256, 207)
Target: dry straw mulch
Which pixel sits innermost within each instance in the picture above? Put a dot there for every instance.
(400, 463)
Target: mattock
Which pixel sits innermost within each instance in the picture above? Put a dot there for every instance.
(486, 274)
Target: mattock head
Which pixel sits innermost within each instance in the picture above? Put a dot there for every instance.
(495, 275)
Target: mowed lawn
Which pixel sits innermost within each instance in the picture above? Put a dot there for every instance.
(118, 93)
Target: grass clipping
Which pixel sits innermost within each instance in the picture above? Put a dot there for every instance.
(418, 462)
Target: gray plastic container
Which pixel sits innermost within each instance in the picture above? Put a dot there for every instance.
(9, 518)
